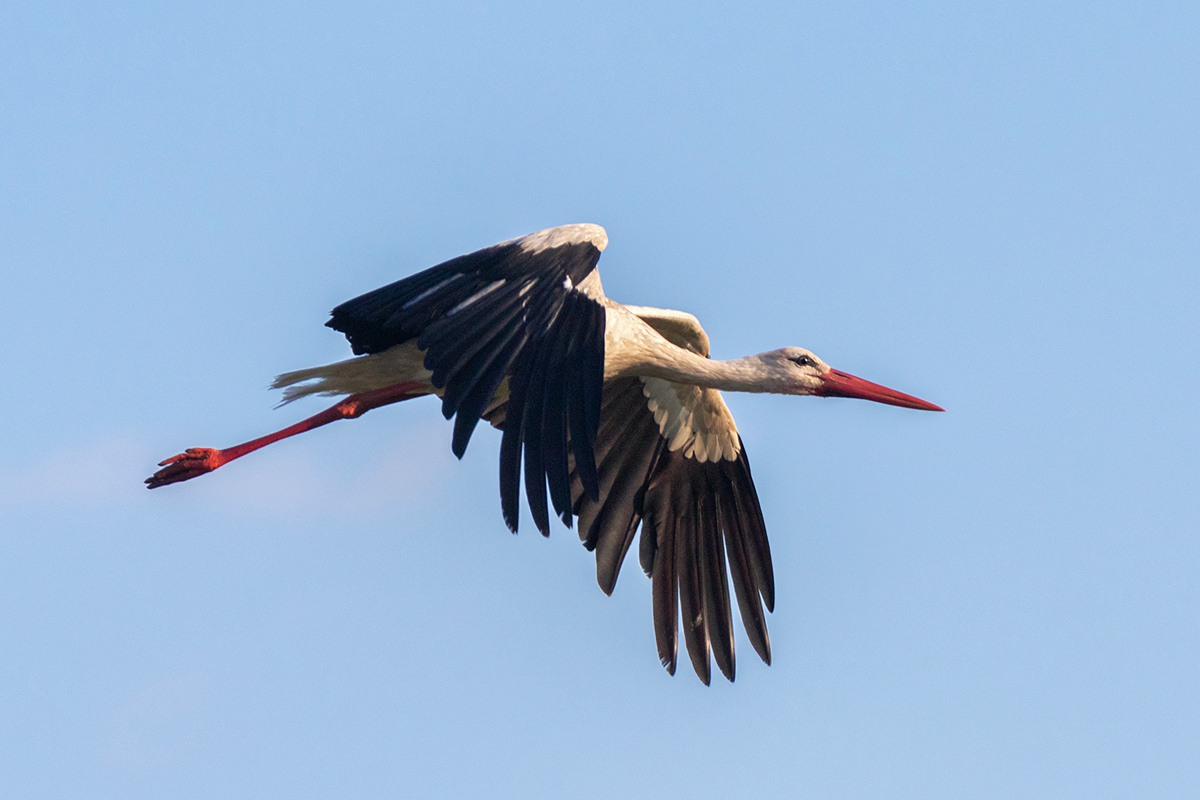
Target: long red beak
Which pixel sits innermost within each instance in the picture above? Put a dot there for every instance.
(842, 384)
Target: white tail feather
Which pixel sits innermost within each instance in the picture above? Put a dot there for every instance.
(399, 364)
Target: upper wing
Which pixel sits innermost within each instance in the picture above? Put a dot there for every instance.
(677, 327)
(514, 310)
(670, 460)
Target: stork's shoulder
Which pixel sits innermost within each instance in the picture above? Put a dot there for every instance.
(677, 327)
(637, 335)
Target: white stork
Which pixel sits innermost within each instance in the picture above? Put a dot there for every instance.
(616, 408)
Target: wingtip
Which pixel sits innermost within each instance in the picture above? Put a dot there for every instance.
(463, 429)
(607, 583)
(762, 646)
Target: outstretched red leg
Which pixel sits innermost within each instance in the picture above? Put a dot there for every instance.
(199, 460)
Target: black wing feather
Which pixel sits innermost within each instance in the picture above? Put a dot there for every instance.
(753, 527)
(554, 414)
(531, 434)
(691, 588)
(693, 517)
(743, 579)
(660, 530)
(463, 340)
(507, 310)
(510, 448)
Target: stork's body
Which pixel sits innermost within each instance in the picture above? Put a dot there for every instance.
(616, 409)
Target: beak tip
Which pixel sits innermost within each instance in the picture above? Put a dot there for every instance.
(842, 384)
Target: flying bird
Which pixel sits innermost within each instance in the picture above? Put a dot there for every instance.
(616, 410)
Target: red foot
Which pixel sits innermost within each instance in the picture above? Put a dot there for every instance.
(194, 461)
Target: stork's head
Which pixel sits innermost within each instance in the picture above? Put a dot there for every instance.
(799, 371)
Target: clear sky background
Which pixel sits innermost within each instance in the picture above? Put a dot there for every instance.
(996, 209)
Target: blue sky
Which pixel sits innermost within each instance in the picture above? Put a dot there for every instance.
(991, 208)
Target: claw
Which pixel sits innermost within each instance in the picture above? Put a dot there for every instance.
(188, 464)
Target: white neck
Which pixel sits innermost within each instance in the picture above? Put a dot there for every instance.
(748, 374)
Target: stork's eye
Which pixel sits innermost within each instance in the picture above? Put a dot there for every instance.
(804, 361)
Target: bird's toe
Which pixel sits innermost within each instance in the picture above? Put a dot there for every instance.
(184, 466)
